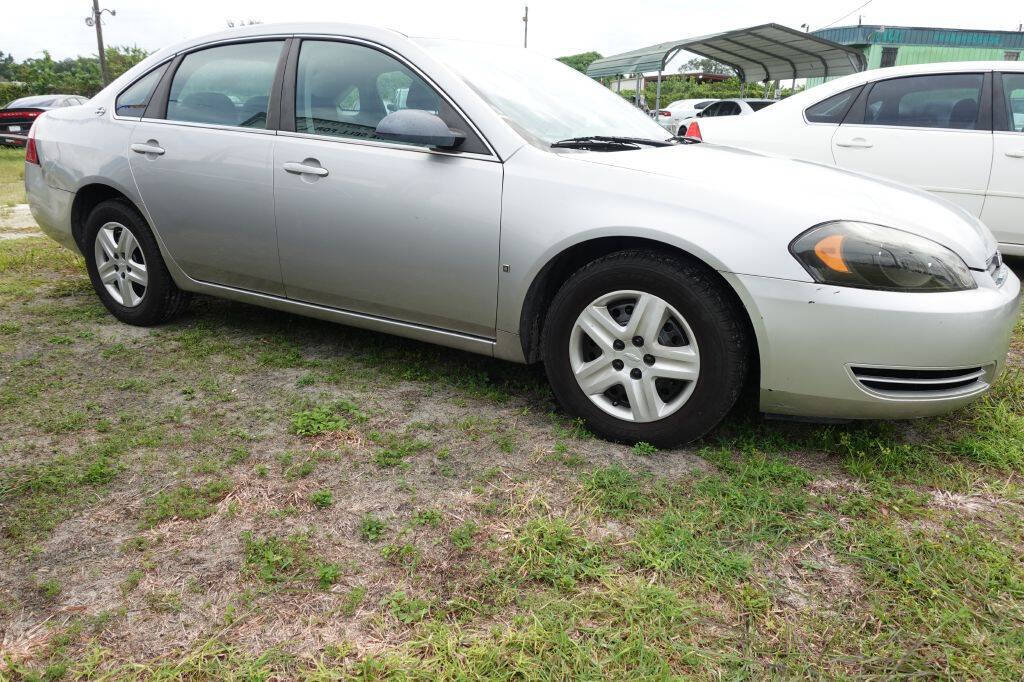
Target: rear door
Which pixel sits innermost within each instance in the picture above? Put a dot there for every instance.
(202, 160)
(1004, 205)
(388, 229)
(930, 131)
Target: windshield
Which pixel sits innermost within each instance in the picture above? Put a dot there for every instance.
(543, 99)
(36, 101)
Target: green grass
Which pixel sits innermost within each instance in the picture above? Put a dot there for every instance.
(12, 176)
(443, 513)
(185, 502)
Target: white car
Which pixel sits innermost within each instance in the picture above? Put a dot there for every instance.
(955, 129)
(677, 115)
(734, 107)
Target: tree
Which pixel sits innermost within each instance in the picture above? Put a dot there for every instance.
(6, 66)
(581, 61)
(705, 65)
(71, 76)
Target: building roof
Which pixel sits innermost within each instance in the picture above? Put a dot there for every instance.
(767, 51)
(914, 35)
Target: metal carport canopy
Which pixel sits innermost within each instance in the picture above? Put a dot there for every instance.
(768, 51)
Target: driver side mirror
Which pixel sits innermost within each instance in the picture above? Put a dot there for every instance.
(416, 126)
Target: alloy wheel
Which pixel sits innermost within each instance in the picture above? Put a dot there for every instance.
(121, 264)
(634, 356)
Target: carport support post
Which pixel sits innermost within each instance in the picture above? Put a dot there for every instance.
(657, 98)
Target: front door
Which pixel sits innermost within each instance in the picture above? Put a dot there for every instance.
(205, 172)
(932, 132)
(386, 229)
(1004, 205)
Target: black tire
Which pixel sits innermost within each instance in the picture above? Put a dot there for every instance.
(162, 300)
(710, 308)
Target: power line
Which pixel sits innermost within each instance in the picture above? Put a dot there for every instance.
(848, 14)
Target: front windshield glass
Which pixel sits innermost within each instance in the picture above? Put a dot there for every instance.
(543, 99)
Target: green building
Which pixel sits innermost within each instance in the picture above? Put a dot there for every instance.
(899, 45)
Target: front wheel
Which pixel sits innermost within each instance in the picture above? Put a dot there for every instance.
(646, 346)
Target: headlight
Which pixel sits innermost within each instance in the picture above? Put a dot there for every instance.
(867, 256)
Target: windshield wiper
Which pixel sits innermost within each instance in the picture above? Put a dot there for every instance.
(608, 143)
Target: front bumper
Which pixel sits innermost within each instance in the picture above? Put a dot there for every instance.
(814, 339)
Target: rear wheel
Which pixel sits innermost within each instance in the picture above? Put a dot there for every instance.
(646, 347)
(126, 268)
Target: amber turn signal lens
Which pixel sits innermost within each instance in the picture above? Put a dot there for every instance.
(830, 251)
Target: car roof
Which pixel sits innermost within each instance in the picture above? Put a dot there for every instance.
(281, 29)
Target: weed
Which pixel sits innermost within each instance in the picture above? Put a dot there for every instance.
(644, 449)
(316, 421)
(372, 529)
(352, 599)
(427, 517)
(406, 608)
(50, 588)
(396, 449)
(185, 502)
(327, 574)
(462, 535)
(322, 499)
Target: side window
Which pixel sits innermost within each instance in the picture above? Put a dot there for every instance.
(133, 101)
(344, 90)
(228, 85)
(729, 109)
(711, 110)
(1013, 100)
(940, 101)
(833, 109)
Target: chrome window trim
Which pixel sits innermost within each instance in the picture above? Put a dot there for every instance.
(212, 126)
(419, 72)
(937, 129)
(384, 144)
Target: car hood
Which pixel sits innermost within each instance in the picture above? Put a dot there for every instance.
(811, 193)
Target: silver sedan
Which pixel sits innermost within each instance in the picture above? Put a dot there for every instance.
(492, 200)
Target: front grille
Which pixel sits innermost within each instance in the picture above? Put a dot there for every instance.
(921, 383)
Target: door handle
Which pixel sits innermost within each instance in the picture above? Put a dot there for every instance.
(150, 148)
(305, 169)
(856, 143)
(1016, 155)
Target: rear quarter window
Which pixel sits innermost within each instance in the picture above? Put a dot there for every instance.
(832, 109)
(133, 101)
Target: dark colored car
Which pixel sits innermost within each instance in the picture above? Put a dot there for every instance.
(17, 117)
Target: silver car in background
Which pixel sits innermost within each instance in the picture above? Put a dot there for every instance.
(495, 201)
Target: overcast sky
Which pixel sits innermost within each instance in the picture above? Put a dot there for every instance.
(557, 27)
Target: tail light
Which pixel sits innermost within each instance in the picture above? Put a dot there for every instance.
(31, 153)
(19, 114)
(664, 112)
(693, 131)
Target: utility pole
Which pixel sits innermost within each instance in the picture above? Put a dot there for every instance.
(96, 21)
(526, 22)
